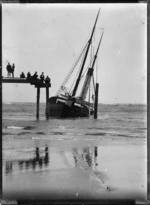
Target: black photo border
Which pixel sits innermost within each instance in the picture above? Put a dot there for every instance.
(111, 202)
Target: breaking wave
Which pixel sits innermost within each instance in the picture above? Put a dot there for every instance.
(20, 127)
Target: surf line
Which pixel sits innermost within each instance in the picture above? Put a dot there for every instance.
(15, 127)
(84, 165)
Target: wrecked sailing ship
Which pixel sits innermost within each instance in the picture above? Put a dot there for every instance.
(66, 103)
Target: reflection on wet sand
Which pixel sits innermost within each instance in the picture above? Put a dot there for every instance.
(87, 156)
(87, 160)
(37, 160)
(8, 167)
(83, 158)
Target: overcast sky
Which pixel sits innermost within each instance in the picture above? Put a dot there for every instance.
(49, 38)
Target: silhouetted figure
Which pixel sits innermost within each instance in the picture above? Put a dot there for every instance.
(8, 68)
(28, 75)
(13, 69)
(22, 75)
(47, 80)
(35, 76)
(42, 77)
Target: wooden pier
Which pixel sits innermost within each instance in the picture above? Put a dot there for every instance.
(38, 84)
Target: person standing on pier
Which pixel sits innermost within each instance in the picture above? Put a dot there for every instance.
(47, 80)
(42, 77)
(8, 68)
(13, 69)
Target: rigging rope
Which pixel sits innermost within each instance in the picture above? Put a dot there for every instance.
(71, 71)
(81, 76)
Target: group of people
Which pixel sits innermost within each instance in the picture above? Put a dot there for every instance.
(35, 76)
(10, 70)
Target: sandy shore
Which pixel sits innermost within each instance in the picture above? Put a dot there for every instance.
(119, 171)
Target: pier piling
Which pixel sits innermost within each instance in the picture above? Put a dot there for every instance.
(37, 104)
(47, 97)
(38, 84)
(96, 101)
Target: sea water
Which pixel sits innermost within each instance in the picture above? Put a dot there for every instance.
(62, 157)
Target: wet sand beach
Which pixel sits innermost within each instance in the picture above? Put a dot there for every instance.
(75, 171)
(77, 158)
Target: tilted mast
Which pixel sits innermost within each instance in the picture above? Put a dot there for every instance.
(89, 74)
(89, 43)
(97, 50)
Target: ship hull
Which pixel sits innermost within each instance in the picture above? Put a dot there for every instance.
(64, 108)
